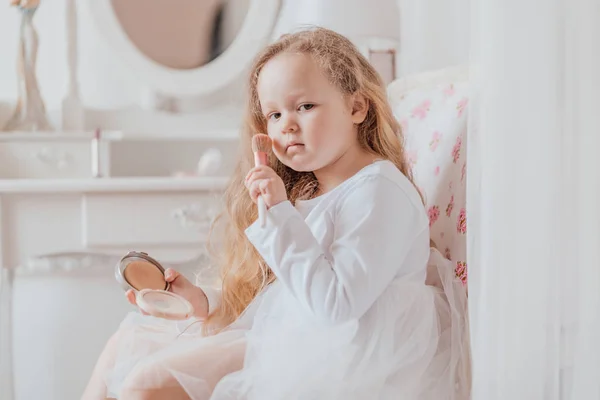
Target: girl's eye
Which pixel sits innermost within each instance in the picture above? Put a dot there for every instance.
(306, 107)
(274, 116)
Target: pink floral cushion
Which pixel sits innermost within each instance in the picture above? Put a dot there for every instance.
(432, 110)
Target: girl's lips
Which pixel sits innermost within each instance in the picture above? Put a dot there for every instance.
(293, 144)
(293, 147)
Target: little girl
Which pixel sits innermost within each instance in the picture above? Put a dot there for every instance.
(329, 300)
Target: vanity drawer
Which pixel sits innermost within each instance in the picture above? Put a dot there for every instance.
(141, 220)
(45, 160)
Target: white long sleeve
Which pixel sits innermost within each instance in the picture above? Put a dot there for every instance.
(375, 224)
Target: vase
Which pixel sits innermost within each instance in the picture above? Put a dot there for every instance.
(30, 112)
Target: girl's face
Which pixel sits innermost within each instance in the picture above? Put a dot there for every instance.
(312, 124)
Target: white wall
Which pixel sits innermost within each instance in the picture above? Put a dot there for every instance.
(433, 34)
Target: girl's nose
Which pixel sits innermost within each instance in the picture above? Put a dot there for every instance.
(289, 126)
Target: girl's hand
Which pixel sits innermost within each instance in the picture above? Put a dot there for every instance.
(263, 181)
(182, 286)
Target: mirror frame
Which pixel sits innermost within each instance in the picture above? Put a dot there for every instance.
(204, 80)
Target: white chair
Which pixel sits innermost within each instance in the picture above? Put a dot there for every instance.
(432, 109)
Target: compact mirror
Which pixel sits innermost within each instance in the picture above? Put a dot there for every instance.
(138, 271)
(146, 276)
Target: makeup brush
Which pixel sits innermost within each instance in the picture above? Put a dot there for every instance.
(261, 147)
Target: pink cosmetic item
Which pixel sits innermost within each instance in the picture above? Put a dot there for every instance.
(145, 275)
(95, 153)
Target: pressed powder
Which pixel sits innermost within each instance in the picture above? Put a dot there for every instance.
(143, 275)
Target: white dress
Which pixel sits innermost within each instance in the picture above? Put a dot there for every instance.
(350, 315)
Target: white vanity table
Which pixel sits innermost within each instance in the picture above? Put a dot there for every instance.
(61, 233)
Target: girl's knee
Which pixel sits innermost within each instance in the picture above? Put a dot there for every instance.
(155, 394)
(170, 393)
(151, 380)
(130, 394)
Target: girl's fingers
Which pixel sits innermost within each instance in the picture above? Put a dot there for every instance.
(260, 172)
(263, 185)
(254, 190)
(130, 295)
(171, 275)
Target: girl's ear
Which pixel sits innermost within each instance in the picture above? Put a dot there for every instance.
(360, 107)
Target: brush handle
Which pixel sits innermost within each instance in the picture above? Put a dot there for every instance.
(262, 212)
(260, 158)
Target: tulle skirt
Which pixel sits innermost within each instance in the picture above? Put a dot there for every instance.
(412, 344)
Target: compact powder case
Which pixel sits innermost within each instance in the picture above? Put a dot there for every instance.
(146, 276)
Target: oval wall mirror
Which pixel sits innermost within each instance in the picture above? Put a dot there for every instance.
(185, 48)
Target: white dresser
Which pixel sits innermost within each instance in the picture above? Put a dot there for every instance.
(62, 232)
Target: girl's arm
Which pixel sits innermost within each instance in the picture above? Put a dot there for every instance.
(213, 296)
(375, 226)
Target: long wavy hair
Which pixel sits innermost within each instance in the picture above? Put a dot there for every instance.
(243, 272)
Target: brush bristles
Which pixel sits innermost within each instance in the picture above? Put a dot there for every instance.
(261, 142)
